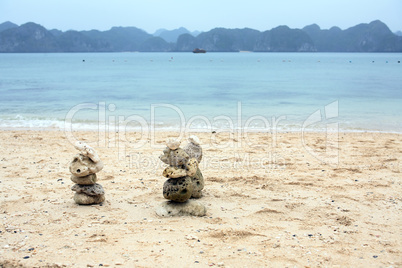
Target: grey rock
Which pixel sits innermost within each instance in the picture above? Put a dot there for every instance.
(87, 180)
(178, 190)
(93, 190)
(82, 166)
(165, 157)
(198, 184)
(176, 158)
(194, 151)
(83, 199)
(189, 208)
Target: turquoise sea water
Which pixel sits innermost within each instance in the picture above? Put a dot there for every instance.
(209, 91)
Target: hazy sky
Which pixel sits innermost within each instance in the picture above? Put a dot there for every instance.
(202, 15)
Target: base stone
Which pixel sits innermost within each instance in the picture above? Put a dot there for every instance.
(83, 199)
(188, 208)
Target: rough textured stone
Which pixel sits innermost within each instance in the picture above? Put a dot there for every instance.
(198, 184)
(194, 151)
(176, 158)
(165, 157)
(191, 167)
(87, 180)
(93, 190)
(174, 172)
(179, 190)
(87, 151)
(82, 166)
(189, 208)
(83, 199)
(185, 178)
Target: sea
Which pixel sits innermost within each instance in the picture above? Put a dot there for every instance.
(205, 92)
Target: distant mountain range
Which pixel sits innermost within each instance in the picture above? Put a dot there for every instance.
(171, 36)
(32, 37)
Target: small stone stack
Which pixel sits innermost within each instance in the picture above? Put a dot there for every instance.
(83, 168)
(185, 179)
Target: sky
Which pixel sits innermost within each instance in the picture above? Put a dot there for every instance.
(202, 15)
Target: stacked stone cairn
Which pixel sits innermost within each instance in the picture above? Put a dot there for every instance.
(185, 179)
(83, 170)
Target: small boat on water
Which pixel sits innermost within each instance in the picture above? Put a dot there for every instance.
(197, 50)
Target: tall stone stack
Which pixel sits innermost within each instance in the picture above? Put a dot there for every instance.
(185, 179)
(83, 168)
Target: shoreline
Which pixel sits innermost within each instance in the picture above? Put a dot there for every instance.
(206, 131)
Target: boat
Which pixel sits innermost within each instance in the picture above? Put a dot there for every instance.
(197, 50)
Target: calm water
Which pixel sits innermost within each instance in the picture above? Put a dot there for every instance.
(212, 90)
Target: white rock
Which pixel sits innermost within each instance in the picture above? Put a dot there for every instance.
(87, 150)
(173, 144)
(191, 237)
(188, 208)
(194, 139)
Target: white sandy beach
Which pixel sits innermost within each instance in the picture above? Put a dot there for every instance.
(270, 202)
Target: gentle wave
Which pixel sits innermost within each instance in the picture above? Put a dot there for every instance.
(19, 122)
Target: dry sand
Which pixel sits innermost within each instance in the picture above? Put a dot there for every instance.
(270, 203)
